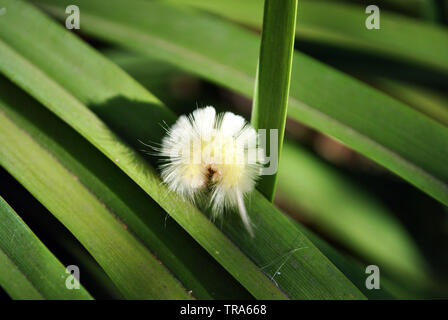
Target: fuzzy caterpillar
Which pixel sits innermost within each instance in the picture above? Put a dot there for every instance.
(212, 156)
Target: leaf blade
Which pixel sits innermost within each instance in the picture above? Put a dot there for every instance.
(85, 217)
(320, 21)
(270, 101)
(130, 205)
(69, 108)
(344, 111)
(198, 225)
(29, 269)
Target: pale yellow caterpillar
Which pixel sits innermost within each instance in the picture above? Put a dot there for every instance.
(212, 156)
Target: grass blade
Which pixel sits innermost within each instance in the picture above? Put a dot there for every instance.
(60, 101)
(360, 220)
(270, 101)
(348, 215)
(133, 269)
(427, 101)
(338, 106)
(400, 38)
(28, 270)
(132, 207)
(43, 80)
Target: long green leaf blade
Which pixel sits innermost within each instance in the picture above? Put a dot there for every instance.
(401, 139)
(197, 271)
(400, 38)
(43, 80)
(28, 270)
(59, 100)
(347, 213)
(430, 102)
(133, 269)
(270, 101)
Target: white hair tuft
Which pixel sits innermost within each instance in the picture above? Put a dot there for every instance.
(214, 156)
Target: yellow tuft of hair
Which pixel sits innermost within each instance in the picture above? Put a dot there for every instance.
(209, 155)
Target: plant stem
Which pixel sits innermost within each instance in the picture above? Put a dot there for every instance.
(273, 77)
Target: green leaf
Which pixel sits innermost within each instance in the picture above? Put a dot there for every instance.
(131, 206)
(303, 179)
(352, 268)
(55, 87)
(128, 263)
(427, 101)
(368, 121)
(54, 96)
(28, 270)
(343, 25)
(347, 214)
(270, 101)
(355, 270)
(298, 268)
